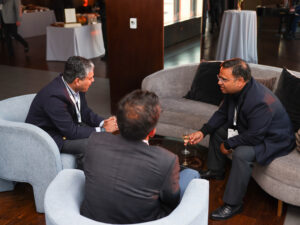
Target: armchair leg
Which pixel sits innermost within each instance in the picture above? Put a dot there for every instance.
(39, 194)
(279, 208)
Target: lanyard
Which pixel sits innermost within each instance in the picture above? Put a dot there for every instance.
(76, 103)
(235, 116)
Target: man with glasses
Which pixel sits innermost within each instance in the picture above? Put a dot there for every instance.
(251, 124)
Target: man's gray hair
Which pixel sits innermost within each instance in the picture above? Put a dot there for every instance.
(77, 66)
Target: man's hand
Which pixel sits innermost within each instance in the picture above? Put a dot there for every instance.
(224, 150)
(18, 23)
(110, 124)
(196, 137)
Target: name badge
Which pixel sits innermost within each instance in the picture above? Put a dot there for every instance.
(232, 132)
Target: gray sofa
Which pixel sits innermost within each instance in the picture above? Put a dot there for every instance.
(281, 178)
(27, 153)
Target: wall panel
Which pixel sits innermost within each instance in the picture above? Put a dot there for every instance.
(133, 53)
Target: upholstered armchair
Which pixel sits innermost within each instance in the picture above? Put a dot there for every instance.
(65, 195)
(27, 153)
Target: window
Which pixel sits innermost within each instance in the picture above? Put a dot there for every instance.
(180, 10)
(169, 10)
(185, 10)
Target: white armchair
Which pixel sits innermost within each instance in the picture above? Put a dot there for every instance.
(27, 153)
(65, 195)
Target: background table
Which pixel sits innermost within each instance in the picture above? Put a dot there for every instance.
(35, 23)
(238, 36)
(85, 41)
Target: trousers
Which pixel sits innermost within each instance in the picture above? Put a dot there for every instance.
(77, 148)
(186, 176)
(243, 158)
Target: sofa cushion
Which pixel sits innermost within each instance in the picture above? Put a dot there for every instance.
(205, 86)
(284, 169)
(185, 113)
(298, 140)
(288, 92)
(268, 82)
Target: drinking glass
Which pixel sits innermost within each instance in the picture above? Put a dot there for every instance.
(185, 138)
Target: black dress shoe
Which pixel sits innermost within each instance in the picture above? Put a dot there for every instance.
(209, 174)
(226, 211)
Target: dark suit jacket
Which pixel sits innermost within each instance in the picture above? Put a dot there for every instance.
(54, 112)
(262, 122)
(128, 181)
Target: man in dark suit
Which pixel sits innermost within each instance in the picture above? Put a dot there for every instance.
(251, 124)
(127, 180)
(61, 109)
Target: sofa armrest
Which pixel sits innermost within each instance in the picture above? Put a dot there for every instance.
(28, 154)
(173, 82)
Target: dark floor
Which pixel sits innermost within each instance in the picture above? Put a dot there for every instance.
(17, 207)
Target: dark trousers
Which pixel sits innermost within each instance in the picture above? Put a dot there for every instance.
(11, 30)
(215, 11)
(1, 26)
(295, 20)
(241, 169)
(77, 148)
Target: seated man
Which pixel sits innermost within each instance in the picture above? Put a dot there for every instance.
(61, 109)
(251, 124)
(128, 180)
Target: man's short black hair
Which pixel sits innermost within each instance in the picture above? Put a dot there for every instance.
(77, 66)
(239, 68)
(137, 114)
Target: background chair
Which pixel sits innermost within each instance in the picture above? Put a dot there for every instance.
(27, 153)
(65, 194)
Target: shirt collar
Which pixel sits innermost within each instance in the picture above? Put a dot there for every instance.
(75, 94)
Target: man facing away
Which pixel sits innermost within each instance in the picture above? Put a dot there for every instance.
(61, 109)
(251, 124)
(128, 180)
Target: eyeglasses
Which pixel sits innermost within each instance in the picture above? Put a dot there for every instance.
(222, 80)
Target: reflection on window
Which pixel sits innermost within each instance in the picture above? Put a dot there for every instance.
(179, 10)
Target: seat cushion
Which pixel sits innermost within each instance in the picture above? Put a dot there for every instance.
(298, 140)
(284, 169)
(268, 82)
(186, 113)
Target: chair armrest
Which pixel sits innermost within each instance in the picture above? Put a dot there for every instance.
(173, 82)
(63, 199)
(193, 208)
(64, 196)
(28, 154)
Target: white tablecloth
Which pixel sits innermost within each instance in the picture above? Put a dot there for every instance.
(85, 41)
(238, 36)
(35, 23)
